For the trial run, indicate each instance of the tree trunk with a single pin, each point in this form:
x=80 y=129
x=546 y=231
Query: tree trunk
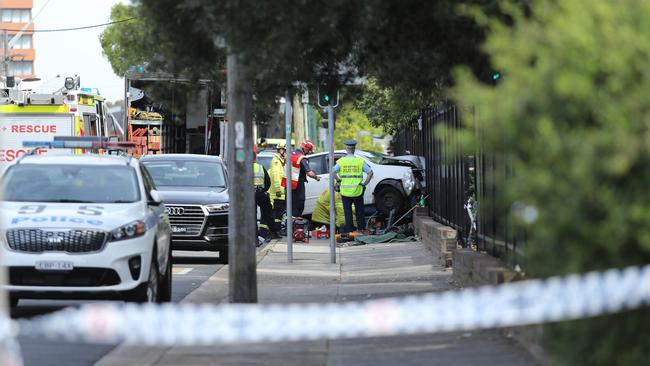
x=298 y=120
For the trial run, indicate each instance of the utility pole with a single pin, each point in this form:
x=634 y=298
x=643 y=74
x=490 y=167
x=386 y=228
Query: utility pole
x=9 y=347
x=328 y=97
x=287 y=173
x=5 y=53
x=242 y=219
x=9 y=351
x=330 y=127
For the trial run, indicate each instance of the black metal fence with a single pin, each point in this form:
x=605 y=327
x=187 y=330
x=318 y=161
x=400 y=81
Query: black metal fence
x=457 y=175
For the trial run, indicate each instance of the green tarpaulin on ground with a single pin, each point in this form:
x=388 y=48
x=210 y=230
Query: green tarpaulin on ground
x=390 y=237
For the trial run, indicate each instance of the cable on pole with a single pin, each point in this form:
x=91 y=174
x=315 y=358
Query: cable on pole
x=70 y=29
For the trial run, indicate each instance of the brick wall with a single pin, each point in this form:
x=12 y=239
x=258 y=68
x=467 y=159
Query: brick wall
x=472 y=268
x=439 y=239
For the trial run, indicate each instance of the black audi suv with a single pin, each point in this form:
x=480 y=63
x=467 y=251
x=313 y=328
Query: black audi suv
x=195 y=193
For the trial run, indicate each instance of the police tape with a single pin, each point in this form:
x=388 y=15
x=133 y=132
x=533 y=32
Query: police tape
x=512 y=304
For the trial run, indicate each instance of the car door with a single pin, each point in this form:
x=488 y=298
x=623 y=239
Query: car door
x=314 y=189
x=163 y=230
x=369 y=194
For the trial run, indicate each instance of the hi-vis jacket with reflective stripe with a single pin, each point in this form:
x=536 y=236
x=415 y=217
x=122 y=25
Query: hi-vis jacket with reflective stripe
x=351 y=175
x=258 y=175
x=321 y=213
x=276 y=171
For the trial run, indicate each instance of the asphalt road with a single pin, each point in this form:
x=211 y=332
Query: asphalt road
x=191 y=269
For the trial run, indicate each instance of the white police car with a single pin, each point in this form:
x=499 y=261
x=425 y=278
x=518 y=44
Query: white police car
x=84 y=227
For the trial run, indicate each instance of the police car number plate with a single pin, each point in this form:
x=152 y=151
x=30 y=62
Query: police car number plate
x=54 y=266
x=179 y=229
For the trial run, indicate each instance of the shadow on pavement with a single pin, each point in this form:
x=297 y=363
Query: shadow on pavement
x=194 y=260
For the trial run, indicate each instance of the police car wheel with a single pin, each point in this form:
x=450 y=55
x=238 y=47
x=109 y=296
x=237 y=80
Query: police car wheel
x=165 y=292
x=148 y=292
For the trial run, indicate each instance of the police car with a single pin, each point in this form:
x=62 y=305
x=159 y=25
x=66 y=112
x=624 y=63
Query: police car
x=82 y=226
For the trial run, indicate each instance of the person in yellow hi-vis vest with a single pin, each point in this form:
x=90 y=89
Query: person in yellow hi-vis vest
x=262 y=183
x=348 y=171
x=276 y=171
x=321 y=214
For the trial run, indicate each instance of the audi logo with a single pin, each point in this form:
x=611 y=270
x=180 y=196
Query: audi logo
x=175 y=211
x=54 y=240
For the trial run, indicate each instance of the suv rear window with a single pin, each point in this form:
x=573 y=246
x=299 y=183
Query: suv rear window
x=186 y=173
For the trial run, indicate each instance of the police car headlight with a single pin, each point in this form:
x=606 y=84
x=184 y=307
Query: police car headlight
x=408 y=182
x=128 y=231
x=217 y=207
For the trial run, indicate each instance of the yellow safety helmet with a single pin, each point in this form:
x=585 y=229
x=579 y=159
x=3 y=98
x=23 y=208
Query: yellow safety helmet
x=281 y=145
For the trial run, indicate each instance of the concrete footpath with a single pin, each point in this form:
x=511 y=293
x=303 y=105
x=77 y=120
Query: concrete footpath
x=361 y=272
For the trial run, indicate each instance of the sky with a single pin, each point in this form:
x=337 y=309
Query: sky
x=75 y=52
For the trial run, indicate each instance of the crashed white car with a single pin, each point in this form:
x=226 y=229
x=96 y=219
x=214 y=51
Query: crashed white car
x=84 y=227
x=394 y=185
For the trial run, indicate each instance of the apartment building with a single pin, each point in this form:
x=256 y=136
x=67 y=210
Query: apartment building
x=14 y=15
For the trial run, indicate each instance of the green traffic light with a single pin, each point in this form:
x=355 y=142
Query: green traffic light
x=326 y=98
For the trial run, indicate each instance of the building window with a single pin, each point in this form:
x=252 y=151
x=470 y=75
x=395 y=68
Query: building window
x=15 y=15
x=24 y=42
x=21 y=67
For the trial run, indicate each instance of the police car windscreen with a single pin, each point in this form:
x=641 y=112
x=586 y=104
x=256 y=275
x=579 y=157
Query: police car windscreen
x=186 y=173
x=71 y=183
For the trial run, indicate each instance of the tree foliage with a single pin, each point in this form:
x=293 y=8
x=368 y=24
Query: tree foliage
x=408 y=46
x=127 y=43
x=351 y=123
x=572 y=117
x=138 y=42
x=392 y=108
x=407 y=42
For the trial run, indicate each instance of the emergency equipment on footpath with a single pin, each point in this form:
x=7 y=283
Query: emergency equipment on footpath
x=301 y=230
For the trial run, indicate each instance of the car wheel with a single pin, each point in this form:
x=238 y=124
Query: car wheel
x=148 y=292
x=165 y=293
x=388 y=198
x=223 y=256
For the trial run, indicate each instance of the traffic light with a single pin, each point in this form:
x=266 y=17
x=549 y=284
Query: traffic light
x=327 y=95
x=324 y=118
x=496 y=77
